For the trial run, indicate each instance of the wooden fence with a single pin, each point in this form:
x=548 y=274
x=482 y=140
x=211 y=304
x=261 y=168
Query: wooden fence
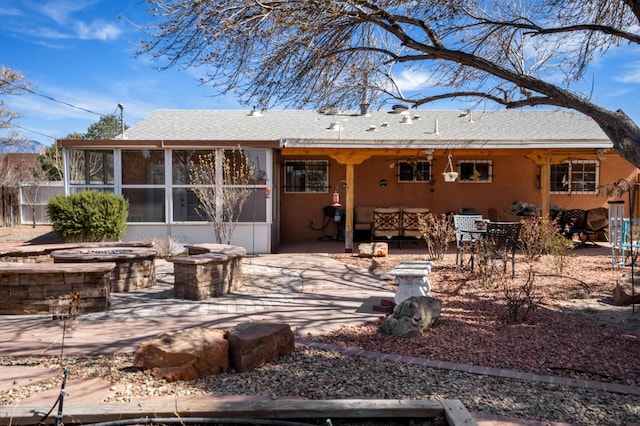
x=9 y=206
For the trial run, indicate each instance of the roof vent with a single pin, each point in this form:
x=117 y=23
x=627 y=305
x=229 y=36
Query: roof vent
x=372 y=128
x=385 y=124
x=364 y=108
x=255 y=113
x=398 y=108
x=330 y=110
x=334 y=126
x=406 y=119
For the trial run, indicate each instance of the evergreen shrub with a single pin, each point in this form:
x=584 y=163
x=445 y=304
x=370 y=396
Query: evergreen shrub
x=88 y=216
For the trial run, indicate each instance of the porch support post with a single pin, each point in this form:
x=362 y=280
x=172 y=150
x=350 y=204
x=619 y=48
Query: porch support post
x=544 y=160
x=348 y=226
x=350 y=159
x=545 y=187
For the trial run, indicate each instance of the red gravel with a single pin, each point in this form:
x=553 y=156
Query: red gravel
x=575 y=332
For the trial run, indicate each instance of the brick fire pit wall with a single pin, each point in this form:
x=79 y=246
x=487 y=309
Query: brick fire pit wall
x=46 y=288
x=135 y=267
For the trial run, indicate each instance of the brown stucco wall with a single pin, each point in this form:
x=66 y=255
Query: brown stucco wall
x=515 y=178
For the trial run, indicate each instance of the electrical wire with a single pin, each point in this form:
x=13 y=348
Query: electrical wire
x=51 y=98
x=32 y=131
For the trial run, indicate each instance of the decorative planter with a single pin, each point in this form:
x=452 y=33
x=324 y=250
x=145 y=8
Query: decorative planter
x=450 y=176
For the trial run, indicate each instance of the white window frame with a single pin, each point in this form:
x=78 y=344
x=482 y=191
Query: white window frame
x=570 y=178
x=310 y=187
x=476 y=177
x=415 y=176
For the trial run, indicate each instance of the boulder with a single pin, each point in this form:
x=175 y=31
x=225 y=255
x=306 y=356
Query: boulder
x=254 y=344
x=413 y=317
x=184 y=355
x=373 y=249
x=624 y=292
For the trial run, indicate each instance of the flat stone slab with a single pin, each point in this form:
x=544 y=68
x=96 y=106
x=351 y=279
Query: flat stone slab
x=227 y=249
x=41 y=249
x=103 y=254
x=201 y=259
x=412 y=268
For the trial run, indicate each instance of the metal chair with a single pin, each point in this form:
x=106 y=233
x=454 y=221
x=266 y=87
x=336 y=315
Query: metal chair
x=464 y=239
x=630 y=239
x=386 y=223
x=411 y=222
x=504 y=237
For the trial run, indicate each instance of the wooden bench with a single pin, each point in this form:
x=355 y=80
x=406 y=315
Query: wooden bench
x=46 y=288
x=208 y=270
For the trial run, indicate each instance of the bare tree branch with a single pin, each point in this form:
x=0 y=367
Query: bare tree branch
x=303 y=53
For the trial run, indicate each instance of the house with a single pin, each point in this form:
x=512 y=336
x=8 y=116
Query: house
x=365 y=158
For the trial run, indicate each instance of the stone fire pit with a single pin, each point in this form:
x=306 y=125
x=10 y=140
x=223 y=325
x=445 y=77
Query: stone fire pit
x=135 y=266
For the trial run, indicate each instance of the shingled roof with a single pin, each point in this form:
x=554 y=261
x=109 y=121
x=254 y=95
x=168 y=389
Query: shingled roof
x=455 y=129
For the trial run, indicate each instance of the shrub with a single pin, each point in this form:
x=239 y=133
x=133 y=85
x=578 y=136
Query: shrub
x=88 y=216
x=558 y=248
x=521 y=299
x=437 y=231
x=536 y=235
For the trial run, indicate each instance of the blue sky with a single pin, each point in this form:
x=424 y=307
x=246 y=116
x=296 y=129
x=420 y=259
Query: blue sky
x=81 y=53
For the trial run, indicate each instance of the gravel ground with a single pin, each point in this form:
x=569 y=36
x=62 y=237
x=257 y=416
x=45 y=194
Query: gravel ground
x=316 y=374
x=574 y=332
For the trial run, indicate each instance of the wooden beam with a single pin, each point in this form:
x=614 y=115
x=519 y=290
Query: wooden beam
x=453 y=410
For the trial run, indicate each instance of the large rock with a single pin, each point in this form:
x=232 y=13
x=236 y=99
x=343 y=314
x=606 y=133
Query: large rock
x=624 y=292
x=184 y=355
x=254 y=344
x=413 y=317
x=373 y=249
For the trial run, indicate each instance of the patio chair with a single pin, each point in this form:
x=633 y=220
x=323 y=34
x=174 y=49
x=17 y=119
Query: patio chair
x=386 y=223
x=464 y=239
x=504 y=237
x=411 y=222
x=363 y=220
x=630 y=243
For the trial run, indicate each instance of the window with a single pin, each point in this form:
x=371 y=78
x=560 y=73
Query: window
x=414 y=171
x=187 y=207
x=575 y=177
x=91 y=167
x=148 y=169
x=480 y=171
x=306 y=176
x=143 y=184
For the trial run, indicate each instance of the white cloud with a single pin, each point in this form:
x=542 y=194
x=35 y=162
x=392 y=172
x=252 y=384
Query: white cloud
x=9 y=10
x=62 y=20
x=409 y=80
x=61 y=10
x=632 y=75
x=97 y=30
